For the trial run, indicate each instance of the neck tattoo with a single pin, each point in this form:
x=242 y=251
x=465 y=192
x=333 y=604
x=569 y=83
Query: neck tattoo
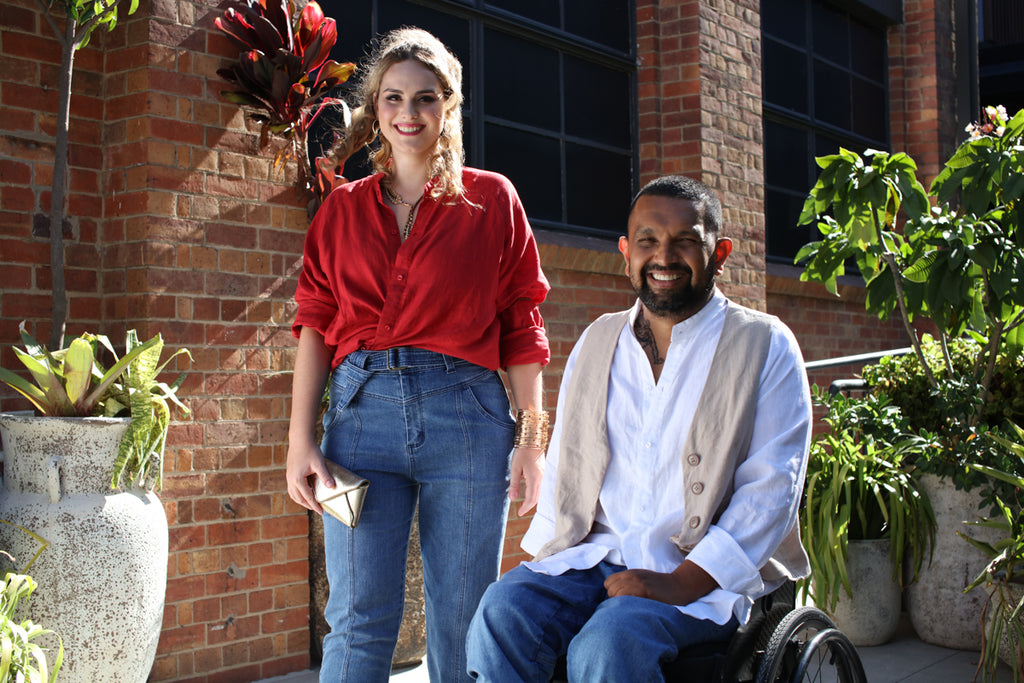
x=397 y=199
x=645 y=335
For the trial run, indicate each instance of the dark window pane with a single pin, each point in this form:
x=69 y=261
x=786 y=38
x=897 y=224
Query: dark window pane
x=607 y=23
x=830 y=34
x=786 y=156
x=785 y=19
x=544 y=11
x=451 y=30
x=825 y=145
x=521 y=81
x=785 y=77
x=354 y=20
x=532 y=163
x=783 y=236
x=869 y=113
x=831 y=95
x=595 y=107
x=870 y=57
x=598 y=188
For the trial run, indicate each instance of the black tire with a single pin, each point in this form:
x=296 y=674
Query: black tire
x=787 y=642
x=829 y=656
x=747 y=647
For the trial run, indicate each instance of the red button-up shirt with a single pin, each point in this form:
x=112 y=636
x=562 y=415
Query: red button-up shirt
x=466 y=282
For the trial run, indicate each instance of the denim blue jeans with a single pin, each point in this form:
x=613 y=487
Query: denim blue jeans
x=430 y=430
x=526 y=621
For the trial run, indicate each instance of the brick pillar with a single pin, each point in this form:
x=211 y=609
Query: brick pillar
x=202 y=242
x=700 y=115
x=922 y=82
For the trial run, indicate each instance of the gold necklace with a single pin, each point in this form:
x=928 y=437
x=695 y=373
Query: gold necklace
x=396 y=198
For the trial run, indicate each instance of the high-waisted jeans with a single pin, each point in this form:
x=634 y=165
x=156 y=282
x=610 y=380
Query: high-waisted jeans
x=423 y=428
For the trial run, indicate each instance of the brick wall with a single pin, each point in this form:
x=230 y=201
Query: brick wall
x=180 y=226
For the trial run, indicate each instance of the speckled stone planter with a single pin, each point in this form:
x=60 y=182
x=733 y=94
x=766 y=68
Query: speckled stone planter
x=941 y=613
x=872 y=615
x=103 y=576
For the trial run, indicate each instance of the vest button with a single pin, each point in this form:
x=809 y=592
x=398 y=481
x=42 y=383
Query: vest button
x=697 y=488
x=693 y=459
x=694 y=522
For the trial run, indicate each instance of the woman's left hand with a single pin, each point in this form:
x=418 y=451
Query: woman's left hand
x=528 y=464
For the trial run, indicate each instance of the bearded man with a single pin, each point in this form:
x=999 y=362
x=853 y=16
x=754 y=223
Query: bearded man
x=674 y=472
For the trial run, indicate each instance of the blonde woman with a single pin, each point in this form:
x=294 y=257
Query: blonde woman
x=419 y=282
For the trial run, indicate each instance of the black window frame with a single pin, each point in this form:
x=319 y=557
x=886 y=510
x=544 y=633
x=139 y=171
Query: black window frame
x=820 y=137
x=482 y=17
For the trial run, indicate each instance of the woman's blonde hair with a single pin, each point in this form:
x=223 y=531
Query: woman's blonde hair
x=400 y=45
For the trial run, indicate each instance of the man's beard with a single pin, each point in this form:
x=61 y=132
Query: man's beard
x=682 y=300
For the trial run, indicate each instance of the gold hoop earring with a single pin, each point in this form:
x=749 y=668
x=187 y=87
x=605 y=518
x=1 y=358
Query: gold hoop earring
x=375 y=128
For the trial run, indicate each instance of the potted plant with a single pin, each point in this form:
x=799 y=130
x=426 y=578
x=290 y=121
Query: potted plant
x=951 y=257
x=1003 y=576
x=82 y=473
x=21 y=657
x=864 y=513
x=283 y=78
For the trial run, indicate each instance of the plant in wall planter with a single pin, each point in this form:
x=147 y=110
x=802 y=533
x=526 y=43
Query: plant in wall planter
x=283 y=78
x=952 y=255
x=1003 y=576
x=83 y=473
x=864 y=514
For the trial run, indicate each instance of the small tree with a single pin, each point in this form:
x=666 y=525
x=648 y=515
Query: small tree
x=81 y=18
x=959 y=262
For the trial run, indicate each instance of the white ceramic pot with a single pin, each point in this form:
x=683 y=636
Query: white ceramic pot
x=940 y=612
x=872 y=615
x=103 y=576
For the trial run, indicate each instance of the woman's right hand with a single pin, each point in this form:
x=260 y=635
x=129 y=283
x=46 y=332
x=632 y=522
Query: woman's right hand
x=305 y=461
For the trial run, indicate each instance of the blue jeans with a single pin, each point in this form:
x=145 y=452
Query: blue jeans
x=426 y=429
x=526 y=621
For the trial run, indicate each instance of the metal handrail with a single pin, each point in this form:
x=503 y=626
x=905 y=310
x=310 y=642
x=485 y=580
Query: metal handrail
x=859 y=358
x=855 y=384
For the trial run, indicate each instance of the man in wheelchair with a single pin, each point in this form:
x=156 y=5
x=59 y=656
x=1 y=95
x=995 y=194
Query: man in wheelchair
x=674 y=474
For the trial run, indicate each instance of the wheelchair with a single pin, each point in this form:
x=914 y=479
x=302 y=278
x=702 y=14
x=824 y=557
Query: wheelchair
x=780 y=643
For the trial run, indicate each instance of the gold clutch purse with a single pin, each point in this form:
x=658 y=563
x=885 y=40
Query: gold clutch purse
x=345 y=500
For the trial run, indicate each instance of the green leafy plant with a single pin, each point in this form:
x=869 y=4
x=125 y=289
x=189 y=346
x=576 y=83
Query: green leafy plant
x=283 y=75
x=939 y=414
x=73 y=382
x=957 y=264
x=1003 y=576
x=860 y=486
x=22 y=658
x=81 y=18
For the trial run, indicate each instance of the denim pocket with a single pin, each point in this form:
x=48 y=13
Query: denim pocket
x=489 y=397
x=345 y=384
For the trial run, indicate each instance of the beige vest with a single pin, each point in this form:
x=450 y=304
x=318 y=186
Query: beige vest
x=718 y=440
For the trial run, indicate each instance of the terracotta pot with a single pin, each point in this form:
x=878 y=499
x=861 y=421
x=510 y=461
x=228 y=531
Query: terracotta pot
x=103 y=576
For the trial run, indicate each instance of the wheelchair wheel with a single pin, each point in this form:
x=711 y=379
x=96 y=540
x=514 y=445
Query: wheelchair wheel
x=792 y=639
x=743 y=657
x=830 y=656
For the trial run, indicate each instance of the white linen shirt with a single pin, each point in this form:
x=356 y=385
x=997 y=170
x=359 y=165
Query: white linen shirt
x=641 y=503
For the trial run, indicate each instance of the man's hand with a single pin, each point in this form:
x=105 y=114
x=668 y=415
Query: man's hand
x=681 y=587
x=528 y=464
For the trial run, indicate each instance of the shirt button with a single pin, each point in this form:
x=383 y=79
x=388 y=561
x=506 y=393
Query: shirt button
x=694 y=522
x=647 y=445
x=401 y=277
x=693 y=459
x=387 y=328
x=697 y=488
